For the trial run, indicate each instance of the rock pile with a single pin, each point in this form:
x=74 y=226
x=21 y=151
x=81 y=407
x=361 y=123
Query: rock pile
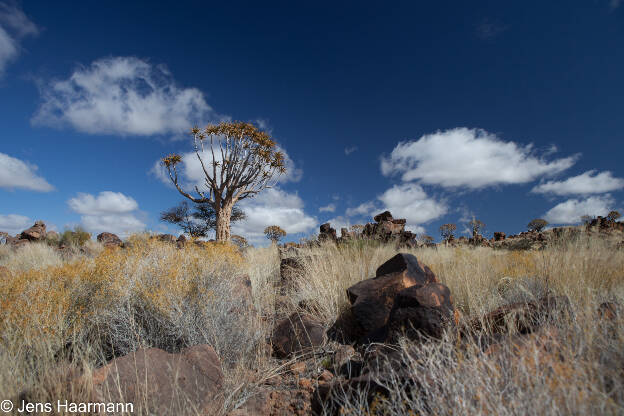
x=385 y=228
x=404 y=297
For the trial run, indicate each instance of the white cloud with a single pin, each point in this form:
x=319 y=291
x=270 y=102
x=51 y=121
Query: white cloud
x=571 y=211
x=106 y=202
x=410 y=201
x=122 y=96
x=108 y=211
x=273 y=207
x=328 y=208
x=614 y=4
x=468 y=157
x=587 y=183
x=18 y=174
x=14 y=224
x=349 y=150
x=339 y=222
x=365 y=209
x=14 y=25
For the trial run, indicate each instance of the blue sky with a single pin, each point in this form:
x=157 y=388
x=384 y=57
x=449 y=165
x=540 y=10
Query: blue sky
x=438 y=111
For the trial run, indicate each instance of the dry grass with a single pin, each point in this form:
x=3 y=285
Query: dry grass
x=62 y=316
x=576 y=366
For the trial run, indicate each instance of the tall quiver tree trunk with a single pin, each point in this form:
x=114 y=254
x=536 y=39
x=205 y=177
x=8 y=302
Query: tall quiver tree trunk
x=224 y=215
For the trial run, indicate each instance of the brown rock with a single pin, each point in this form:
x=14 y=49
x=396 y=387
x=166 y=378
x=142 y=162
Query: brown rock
x=297 y=334
x=159 y=380
x=109 y=240
x=410 y=266
x=524 y=317
x=297 y=368
x=167 y=238
x=384 y=216
x=35 y=233
x=421 y=310
x=499 y=236
x=306 y=384
x=343 y=354
x=373 y=299
x=326 y=376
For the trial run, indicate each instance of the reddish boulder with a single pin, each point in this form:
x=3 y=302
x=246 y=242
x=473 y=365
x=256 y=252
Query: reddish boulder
x=384 y=216
x=523 y=317
x=157 y=380
x=35 y=233
x=109 y=240
x=499 y=236
x=373 y=299
x=408 y=265
x=421 y=310
x=296 y=334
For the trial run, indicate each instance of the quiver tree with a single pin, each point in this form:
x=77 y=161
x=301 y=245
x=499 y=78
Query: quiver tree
x=613 y=216
x=447 y=231
x=477 y=226
x=199 y=220
x=537 y=224
x=274 y=233
x=238 y=161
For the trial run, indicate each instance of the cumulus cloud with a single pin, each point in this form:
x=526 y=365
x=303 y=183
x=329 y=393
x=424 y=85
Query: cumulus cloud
x=364 y=209
x=340 y=222
x=122 y=96
x=273 y=207
x=349 y=150
x=571 y=211
x=108 y=211
x=18 y=174
x=328 y=208
x=14 y=224
x=14 y=25
x=471 y=158
x=586 y=183
x=408 y=200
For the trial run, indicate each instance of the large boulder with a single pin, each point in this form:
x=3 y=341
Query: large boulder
x=372 y=300
x=167 y=238
x=297 y=334
x=384 y=216
x=164 y=383
x=109 y=240
x=421 y=310
x=327 y=233
x=523 y=317
x=35 y=233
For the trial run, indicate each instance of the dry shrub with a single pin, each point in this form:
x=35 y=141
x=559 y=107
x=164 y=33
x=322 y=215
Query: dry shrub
x=149 y=295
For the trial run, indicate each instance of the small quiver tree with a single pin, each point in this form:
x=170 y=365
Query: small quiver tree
x=537 y=224
x=477 y=226
x=274 y=233
x=613 y=216
x=238 y=161
x=447 y=232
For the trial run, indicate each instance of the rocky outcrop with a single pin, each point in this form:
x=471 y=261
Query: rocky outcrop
x=375 y=314
x=299 y=333
x=164 y=382
x=35 y=233
x=327 y=233
x=387 y=229
x=109 y=240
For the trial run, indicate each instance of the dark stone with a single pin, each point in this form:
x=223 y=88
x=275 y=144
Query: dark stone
x=384 y=216
x=296 y=334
